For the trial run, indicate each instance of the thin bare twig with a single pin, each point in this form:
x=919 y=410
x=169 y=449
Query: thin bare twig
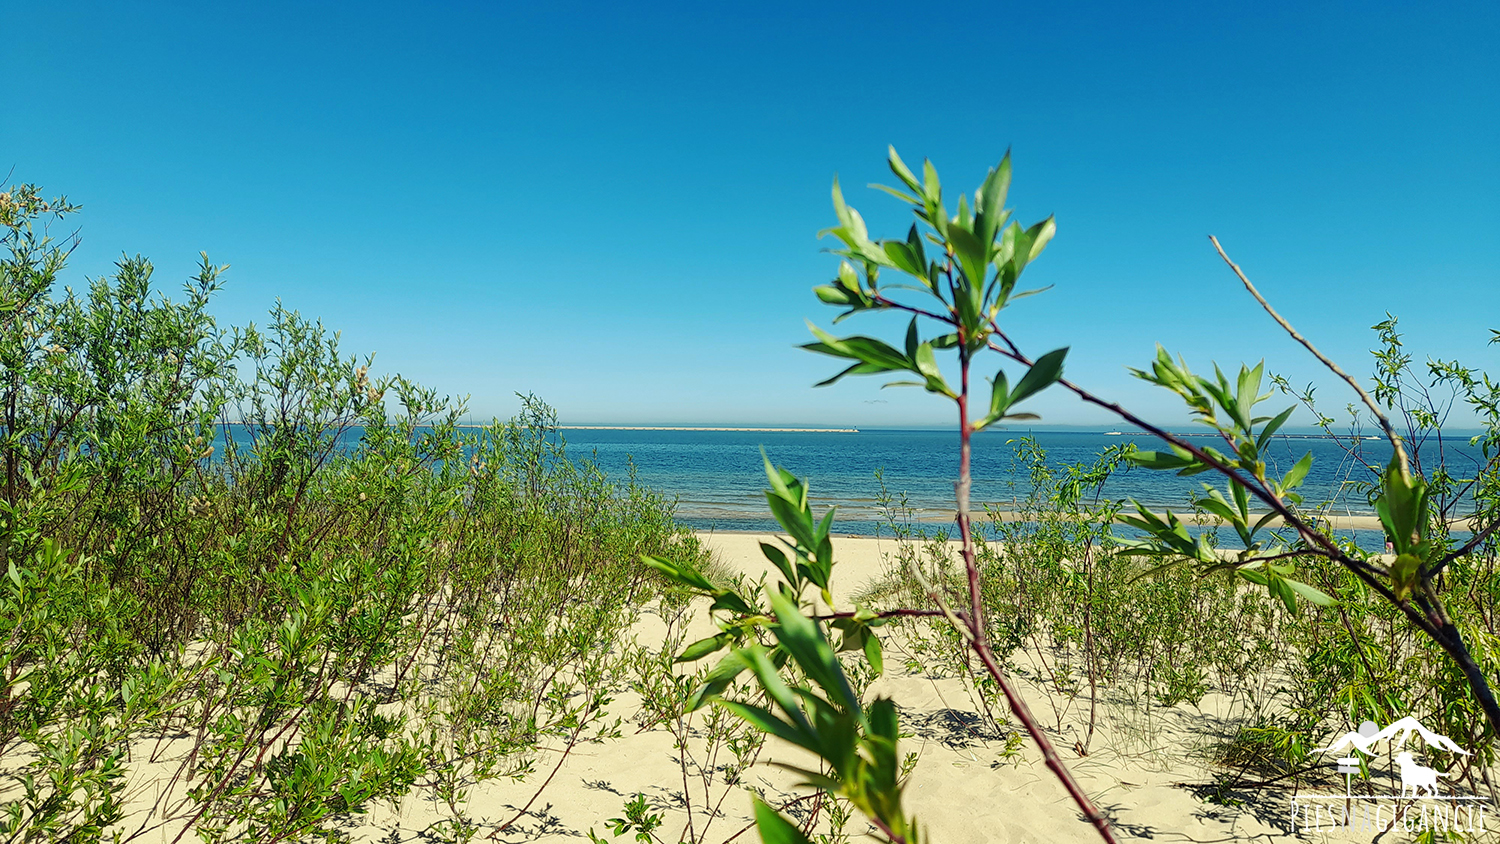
x=572 y=742
x=960 y=624
x=901 y=613
x=1467 y=547
x=1385 y=423
x=902 y=306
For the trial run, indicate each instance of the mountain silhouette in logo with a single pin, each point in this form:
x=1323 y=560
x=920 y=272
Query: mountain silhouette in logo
x=1401 y=731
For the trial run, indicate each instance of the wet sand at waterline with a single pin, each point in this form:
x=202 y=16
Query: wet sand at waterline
x=965 y=788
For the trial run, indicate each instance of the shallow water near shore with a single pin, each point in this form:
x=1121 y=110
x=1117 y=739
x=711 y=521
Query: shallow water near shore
x=718 y=478
x=716 y=475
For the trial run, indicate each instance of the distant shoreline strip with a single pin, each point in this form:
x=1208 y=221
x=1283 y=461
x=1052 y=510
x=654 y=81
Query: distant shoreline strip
x=691 y=428
x=1343 y=521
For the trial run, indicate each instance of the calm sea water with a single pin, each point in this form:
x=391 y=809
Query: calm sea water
x=718 y=482
x=718 y=478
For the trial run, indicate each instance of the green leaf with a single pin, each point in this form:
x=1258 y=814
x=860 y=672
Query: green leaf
x=1405 y=571
x=919 y=253
x=1311 y=594
x=805 y=642
x=1043 y=374
x=1280 y=590
x=1403 y=507
x=728 y=599
x=971 y=255
x=866 y=349
x=680 y=572
x=1040 y=235
x=833 y=295
x=922 y=384
x=853 y=228
x=778 y=559
x=902 y=172
x=1297 y=473
x=1272 y=427
x=999 y=401
x=768 y=673
x=989 y=200
x=1247 y=393
x=847 y=276
x=1024 y=293
x=766 y=721
x=1256 y=577
x=781 y=481
x=1158 y=460
x=1220 y=508
x=899 y=194
x=927 y=367
x=903 y=258
x=884 y=719
x=873 y=654
x=718 y=679
x=856 y=369
x=703 y=647
x=797 y=522
x=775 y=829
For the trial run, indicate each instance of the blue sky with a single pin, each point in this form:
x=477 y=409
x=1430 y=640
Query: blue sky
x=615 y=206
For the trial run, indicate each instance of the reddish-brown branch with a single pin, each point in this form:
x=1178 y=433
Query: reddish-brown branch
x=901 y=306
x=979 y=640
x=1466 y=548
x=901 y=613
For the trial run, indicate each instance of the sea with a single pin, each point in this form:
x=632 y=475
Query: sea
x=717 y=480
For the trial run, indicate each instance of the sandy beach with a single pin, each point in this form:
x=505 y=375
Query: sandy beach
x=973 y=781
x=969 y=784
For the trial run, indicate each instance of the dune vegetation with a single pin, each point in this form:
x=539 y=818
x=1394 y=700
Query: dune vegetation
x=231 y=570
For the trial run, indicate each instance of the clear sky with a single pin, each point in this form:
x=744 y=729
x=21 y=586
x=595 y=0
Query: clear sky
x=615 y=206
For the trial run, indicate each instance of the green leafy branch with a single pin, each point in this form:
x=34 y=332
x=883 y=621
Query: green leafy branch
x=856 y=744
x=970 y=296
x=970 y=277
x=1229 y=409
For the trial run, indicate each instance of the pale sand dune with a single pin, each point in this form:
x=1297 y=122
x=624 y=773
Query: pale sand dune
x=964 y=788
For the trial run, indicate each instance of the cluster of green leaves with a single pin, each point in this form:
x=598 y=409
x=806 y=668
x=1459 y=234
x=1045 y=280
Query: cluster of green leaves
x=70 y=699
x=1367 y=658
x=818 y=710
x=1395 y=622
x=972 y=275
x=1228 y=408
x=638 y=819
